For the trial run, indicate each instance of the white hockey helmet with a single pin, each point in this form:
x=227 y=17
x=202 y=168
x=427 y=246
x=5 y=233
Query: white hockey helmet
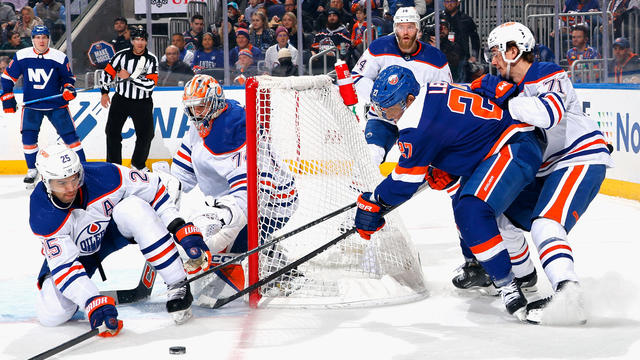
x=406 y=15
x=511 y=31
x=203 y=101
x=57 y=162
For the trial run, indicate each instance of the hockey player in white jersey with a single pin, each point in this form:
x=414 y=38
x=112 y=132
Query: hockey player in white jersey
x=213 y=156
x=83 y=212
x=402 y=48
x=575 y=163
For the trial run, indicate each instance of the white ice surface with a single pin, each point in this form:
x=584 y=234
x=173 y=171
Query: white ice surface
x=448 y=324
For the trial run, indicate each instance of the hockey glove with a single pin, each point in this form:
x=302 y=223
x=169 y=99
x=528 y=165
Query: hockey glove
x=439 y=179
x=496 y=89
x=368 y=216
x=69 y=92
x=9 y=103
x=190 y=238
x=102 y=309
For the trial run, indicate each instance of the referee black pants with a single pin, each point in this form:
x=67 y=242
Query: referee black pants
x=141 y=112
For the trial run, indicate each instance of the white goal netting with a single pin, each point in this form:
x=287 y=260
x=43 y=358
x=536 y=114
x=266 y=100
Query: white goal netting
x=311 y=159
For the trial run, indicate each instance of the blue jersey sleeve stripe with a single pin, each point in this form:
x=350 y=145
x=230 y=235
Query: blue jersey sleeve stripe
x=61 y=267
x=241 y=188
x=162 y=201
x=186 y=149
x=549 y=112
x=187 y=168
x=173 y=258
x=238 y=177
x=155 y=245
x=71 y=279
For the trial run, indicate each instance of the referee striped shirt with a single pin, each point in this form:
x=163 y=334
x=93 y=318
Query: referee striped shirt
x=139 y=88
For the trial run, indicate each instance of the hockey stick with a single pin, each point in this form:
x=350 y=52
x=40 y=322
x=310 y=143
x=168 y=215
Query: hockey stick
x=273 y=242
x=140 y=292
x=136 y=72
x=259 y=248
x=64 y=346
x=293 y=265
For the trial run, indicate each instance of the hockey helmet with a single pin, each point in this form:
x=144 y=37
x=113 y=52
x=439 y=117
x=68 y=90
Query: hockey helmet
x=40 y=30
x=139 y=32
x=391 y=87
x=407 y=14
x=58 y=162
x=511 y=31
x=203 y=101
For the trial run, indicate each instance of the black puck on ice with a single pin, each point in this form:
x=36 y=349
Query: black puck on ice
x=177 y=350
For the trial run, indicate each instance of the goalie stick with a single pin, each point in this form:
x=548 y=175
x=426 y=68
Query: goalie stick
x=140 y=292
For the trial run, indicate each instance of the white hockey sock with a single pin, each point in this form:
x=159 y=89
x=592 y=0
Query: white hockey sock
x=516 y=244
x=556 y=255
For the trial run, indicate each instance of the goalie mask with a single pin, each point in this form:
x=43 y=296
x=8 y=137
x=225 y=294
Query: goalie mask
x=203 y=101
x=392 y=86
x=61 y=172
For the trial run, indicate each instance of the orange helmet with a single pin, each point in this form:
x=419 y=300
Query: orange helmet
x=203 y=101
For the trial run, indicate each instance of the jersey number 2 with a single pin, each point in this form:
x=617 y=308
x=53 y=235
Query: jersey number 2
x=462 y=101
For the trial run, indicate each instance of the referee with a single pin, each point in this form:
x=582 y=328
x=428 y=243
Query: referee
x=136 y=70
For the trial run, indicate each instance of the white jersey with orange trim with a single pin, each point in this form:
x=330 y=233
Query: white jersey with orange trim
x=427 y=63
x=217 y=163
x=67 y=234
x=548 y=100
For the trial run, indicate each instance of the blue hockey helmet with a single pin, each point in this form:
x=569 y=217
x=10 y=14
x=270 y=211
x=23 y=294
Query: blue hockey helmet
x=40 y=30
x=392 y=86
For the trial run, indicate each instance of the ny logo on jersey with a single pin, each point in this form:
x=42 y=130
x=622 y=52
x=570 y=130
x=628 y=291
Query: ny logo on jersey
x=36 y=76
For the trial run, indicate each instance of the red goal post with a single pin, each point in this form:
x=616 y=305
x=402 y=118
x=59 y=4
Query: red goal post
x=306 y=157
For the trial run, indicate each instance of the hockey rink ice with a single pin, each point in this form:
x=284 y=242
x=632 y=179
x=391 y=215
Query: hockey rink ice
x=448 y=324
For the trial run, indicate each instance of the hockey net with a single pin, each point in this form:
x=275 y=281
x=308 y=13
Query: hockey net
x=306 y=157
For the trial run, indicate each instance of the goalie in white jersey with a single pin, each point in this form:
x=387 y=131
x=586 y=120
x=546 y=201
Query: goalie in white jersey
x=573 y=168
x=402 y=48
x=83 y=212
x=213 y=156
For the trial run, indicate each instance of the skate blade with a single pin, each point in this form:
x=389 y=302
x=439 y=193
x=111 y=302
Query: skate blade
x=182 y=316
x=29 y=186
x=521 y=314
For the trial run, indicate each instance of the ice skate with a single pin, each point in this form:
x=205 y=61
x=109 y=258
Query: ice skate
x=566 y=307
x=472 y=276
x=179 y=301
x=31 y=178
x=528 y=283
x=514 y=300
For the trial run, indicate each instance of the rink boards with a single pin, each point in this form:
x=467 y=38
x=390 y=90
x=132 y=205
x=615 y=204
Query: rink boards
x=616 y=108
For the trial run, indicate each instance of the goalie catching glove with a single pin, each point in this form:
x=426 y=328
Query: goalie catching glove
x=231 y=219
x=102 y=310
x=368 y=216
x=190 y=238
x=495 y=88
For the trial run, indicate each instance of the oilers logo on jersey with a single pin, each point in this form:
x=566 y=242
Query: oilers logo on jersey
x=90 y=237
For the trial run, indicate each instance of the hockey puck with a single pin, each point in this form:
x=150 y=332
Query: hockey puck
x=177 y=350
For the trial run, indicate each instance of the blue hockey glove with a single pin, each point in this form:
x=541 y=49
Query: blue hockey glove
x=190 y=238
x=368 y=216
x=495 y=88
x=69 y=92
x=9 y=104
x=102 y=310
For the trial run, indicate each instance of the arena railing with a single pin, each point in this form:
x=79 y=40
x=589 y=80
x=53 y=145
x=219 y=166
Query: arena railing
x=322 y=54
x=588 y=71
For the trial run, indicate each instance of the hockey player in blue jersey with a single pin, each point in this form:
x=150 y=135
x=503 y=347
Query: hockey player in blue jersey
x=213 y=157
x=45 y=72
x=464 y=135
x=573 y=168
x=83 y=212
x=402 y=48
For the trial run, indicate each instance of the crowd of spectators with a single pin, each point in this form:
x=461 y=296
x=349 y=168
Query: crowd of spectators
x=17 y=18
